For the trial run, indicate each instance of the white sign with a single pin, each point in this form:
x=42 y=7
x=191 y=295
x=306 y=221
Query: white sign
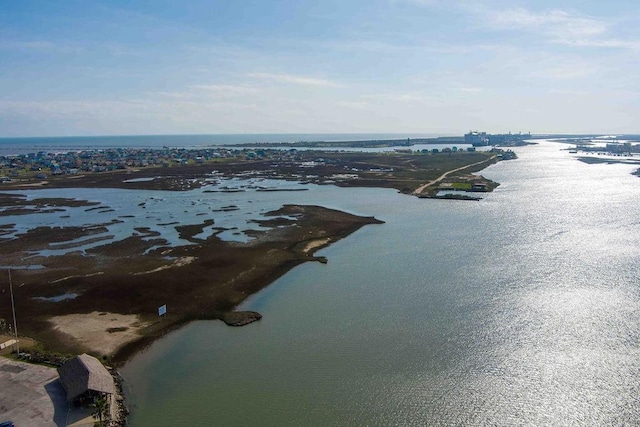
x=7 y=344
x=162 y=310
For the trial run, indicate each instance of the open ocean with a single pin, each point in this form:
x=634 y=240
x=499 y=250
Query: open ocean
x=11 y=146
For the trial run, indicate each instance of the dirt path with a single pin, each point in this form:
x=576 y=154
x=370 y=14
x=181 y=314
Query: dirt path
x=420 y=189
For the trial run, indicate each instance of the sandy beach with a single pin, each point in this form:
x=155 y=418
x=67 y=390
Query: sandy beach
x=100 y=332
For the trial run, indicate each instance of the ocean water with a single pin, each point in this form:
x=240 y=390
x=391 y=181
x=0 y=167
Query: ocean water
x=12 y=146
x=520 y=309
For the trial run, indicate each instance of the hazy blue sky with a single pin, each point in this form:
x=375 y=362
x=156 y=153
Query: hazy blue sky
x=432 y=66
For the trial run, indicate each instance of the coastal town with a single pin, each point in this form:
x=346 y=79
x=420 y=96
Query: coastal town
x=43 y=165
x=103 y=160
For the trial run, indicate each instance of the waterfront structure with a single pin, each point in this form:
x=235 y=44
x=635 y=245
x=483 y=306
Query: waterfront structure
x=84 y=376
x=477 y=139
x=618 y=147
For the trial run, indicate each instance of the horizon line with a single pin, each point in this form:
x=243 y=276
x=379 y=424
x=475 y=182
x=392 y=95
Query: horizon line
x=426 y=134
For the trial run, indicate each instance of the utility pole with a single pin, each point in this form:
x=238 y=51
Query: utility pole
x=13 y=308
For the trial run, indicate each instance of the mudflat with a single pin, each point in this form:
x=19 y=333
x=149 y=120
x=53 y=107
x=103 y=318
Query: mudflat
x=118 y=287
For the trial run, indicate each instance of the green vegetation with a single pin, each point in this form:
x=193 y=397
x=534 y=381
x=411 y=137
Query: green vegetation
x=101 y=410
x=465 y=186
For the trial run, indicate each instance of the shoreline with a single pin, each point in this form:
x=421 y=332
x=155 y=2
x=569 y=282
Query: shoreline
x=98 y=278
x=113 y=309
x=107 y=288
x=298 y=248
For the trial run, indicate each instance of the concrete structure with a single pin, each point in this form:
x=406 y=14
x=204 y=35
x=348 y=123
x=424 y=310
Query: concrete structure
x=476 y=138
x=7 y=344
x=31 y=395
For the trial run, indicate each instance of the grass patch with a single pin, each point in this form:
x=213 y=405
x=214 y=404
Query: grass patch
x=465 y=186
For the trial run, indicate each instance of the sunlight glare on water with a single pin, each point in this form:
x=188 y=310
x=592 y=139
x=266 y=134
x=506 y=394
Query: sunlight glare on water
x=520 y=309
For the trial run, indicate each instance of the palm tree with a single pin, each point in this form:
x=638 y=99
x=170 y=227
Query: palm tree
x=101 y=406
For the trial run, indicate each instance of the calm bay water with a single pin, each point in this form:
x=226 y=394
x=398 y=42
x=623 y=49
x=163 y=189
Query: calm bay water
x=520 y=309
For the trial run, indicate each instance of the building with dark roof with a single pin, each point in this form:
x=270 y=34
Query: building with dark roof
x=84 y=376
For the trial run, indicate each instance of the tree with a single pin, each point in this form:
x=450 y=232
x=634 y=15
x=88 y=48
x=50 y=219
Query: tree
x=101 y=411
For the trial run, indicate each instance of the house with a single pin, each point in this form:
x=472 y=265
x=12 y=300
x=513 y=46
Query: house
x=479 y=186
x=84 y=376
x=476 y=138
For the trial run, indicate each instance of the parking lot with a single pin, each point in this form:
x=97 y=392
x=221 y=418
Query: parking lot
x=31 y=395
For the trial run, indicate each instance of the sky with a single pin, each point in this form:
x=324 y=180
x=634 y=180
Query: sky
x=332 y=66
